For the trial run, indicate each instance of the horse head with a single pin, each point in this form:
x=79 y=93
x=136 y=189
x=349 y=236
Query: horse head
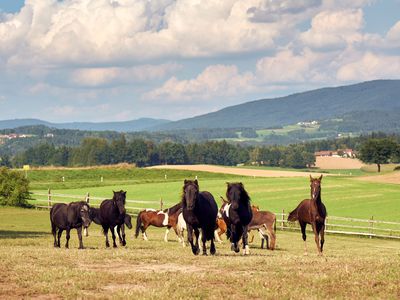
x=315 y=185
x=119 y=201
x=190 y=193
x=235 y=193
x=84 y=214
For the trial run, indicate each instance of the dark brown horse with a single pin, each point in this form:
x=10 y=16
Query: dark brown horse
x=69 y=216
x=159 y=218
x=199 y=210
x=312 y=211
x=112 y=213
x=237 y=216
x=265 y=223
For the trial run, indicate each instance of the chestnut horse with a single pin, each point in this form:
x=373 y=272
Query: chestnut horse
x=312 y=211
x=264 y=220
x=159 y=218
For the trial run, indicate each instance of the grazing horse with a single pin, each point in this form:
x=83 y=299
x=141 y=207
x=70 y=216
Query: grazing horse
x=264 y=220
x=159 y=218
x=112 y=213
x=200 y=213
x=237 y=215
x=69 y=216
x=95 y=216
x=312 y=211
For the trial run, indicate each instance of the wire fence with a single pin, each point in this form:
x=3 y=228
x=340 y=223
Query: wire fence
x=333 y=225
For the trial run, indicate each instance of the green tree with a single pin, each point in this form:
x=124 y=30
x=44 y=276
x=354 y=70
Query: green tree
x=377 y=151
x=14 y=188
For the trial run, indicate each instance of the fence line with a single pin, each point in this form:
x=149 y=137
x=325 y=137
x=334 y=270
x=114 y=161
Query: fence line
x=373 y=228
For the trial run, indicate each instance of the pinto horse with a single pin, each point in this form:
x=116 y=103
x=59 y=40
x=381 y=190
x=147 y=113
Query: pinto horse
x=312 y=211
x=199 y=211
x=112 y=213
x=159 y=218
x=237 y=215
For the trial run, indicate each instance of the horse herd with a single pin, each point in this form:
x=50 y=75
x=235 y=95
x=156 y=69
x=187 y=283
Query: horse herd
x=198 y=214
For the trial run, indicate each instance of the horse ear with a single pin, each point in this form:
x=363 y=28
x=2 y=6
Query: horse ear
x=320 y=177
x=124 y=193
x=185 y=181
x=311 y=179
x=241 y=184
x=196 y=182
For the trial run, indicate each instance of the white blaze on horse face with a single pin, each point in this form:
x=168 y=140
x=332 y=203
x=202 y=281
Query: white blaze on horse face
x=226 y=210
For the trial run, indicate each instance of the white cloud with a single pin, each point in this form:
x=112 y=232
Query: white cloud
x=118 y=75
x=370 y=66
x=332 y=30
x=214 y=81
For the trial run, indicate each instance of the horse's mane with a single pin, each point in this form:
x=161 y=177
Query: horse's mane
x=173 y=209
x=244 y=196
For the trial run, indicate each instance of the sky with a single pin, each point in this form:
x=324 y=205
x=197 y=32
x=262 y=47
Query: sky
x=118 y=60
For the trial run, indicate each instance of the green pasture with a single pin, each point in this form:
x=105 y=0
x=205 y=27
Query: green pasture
x=351 y=268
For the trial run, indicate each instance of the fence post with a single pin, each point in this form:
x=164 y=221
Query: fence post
x=87 y=198
x=326 y=223
x=49 y=198
x=283 y=219
x=161 y=204
x=371 y=227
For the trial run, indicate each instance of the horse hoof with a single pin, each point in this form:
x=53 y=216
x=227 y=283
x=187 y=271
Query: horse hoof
x=205 y=254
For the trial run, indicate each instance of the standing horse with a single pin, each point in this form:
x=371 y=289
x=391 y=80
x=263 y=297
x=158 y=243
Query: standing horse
x=200 y=213
x=159 y=218
x=95 y=216
x=112 y=213
x=312 y=211
x=66 y=217
x=237 y=216
x=264 y=220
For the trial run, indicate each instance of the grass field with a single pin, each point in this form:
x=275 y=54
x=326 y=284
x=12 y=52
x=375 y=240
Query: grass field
x=352 y=268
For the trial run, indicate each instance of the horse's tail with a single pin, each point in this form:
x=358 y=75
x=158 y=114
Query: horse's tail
x=138 y=224
x=293 y=215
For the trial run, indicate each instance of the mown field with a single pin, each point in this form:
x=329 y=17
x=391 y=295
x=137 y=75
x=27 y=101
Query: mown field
x=352 y=267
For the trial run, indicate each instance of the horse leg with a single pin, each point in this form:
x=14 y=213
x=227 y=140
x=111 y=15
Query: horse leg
x=234 y=239
x=143 y=228
x=166 y=234
x=105 y=230
x=123 y=235
x=321 y=231
x=113 y=237
x=303 y=232
x=67 y=236
x=246 y=249
x=59 y=237
x=195 y=249
x=203 y=241
x=79 y=229
x=217 y=236
x=316 y=237
x=54 y=232
x=197 y=234
x=272 y=237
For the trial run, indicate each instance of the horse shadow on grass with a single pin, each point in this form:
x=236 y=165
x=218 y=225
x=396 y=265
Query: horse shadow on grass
x=11 y=234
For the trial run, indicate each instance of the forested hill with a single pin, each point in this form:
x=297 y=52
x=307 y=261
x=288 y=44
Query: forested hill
x=321 y=104
x=126 y=126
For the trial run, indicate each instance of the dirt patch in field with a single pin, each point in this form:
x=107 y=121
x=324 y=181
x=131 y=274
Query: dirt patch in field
x=386 y=178
x=338 y=163
x=234 y=171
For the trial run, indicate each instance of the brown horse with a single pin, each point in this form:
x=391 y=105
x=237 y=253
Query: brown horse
x=159 y=218
x=264 y=220
x=312 y=211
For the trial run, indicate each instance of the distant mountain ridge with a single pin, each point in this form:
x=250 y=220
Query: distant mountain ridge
x=125 y=126
x=320 y=104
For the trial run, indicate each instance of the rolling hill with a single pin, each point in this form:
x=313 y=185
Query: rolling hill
x=320 y=104
x=127 y=126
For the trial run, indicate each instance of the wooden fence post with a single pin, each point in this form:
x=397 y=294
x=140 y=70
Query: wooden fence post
x=161 y=204
x=87 y=198
x=49 y=198
x=283 y=219
x=371 y=226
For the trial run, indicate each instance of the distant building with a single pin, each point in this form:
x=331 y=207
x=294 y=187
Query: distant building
x=350 y=153
x=49 y=135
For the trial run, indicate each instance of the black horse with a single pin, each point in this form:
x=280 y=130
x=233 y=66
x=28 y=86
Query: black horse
x=95 y=217
x=112 y=213
x=69 y=216
x=237 y=215
x=200 y=211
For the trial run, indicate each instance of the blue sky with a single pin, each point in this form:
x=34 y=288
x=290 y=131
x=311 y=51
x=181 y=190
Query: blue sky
x=114 y=60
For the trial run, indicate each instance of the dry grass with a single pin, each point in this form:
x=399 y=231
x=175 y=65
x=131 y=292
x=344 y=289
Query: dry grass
x=352 y=268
